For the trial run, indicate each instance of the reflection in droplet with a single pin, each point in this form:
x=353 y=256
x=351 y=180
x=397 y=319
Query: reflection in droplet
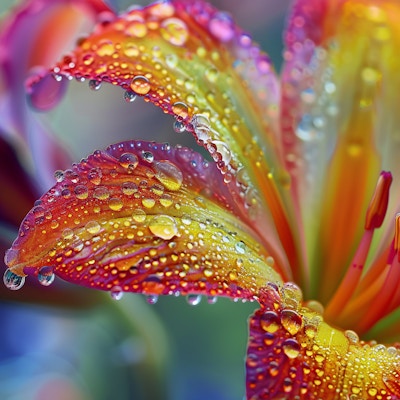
x=13 y=281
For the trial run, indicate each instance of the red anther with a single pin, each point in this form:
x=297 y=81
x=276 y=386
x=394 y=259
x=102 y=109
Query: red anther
x=377 y=207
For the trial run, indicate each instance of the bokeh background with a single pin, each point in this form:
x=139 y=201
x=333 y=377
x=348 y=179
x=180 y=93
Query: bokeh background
x=68 y=343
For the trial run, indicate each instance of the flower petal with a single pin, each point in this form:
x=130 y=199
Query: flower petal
x=338 y=102
x=193 y=62
x=44 y=30
x=142 y=217
x=294 y=354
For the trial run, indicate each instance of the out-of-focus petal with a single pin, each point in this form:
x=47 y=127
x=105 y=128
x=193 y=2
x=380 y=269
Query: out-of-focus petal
x=294 y=354
x=142 y=217
x=32 y=37
x=195 y=63
x=340 y=125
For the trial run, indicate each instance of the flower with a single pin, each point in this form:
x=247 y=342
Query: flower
x=289 y=195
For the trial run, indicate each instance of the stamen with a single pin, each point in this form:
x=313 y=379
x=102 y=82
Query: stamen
x=383 y=302
x=374 y=219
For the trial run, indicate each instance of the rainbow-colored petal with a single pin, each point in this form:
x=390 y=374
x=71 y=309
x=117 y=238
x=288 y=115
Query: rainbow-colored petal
x=294 y=354
x=141 y=217
x=195 y=63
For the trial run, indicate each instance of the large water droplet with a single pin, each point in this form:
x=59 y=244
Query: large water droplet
x=193 y=299
x=46 y=93
x=152 y=298
x=46 y=276
x=140 y=85
x=129 y=96
x=94 y=85
x=13 y=281
x=269 y=322
x=291 y=321
x=163 y=226
x=222 y=26
x=174 y=31
x=116 y=293
x=179 y=127
x=180 y=109
x=168 y=174
x=291 y=348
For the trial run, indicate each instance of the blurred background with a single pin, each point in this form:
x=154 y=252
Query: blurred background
x=66 y=343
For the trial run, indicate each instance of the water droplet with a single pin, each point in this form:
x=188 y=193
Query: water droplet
x=148 y=156
x=128 y=188
x=116 y=293
x=222 y=26
x=306 y=129
x=46 y=276
x=291 y=321
x=180 y=109
x=223 y=151
x=269 y=322
x=351 y=336
x=201 y=126
x=168 y=174
x=94 y=85
x=193 y=299
x=291 y=348
x=129 y=96
x=212 y=299
x=163 y=226
x=59 y=176
x=140 y=85
x=81 y=192
x=115 y=204
x=240 y=247
x=46 y=93
x=179 y=127
x=93 y=227
x=94 y=176
x=13 y=281
x=152 y=298
x=174 y=31
x=139 y=215
x=291 y=295
x=101 y=193
x=128 y=160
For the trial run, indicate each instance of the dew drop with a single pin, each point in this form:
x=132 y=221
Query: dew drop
x=94 y=176
x=163 y=226
x=101 y=193
x=269 y=322
x=351 y=336
x=201 y=126
x=180 y=109
x=148 y=156
x=240 y=247
x=291 y=321
x=46 y=93
x=223 y=151
x=174 y=31
x=139 y=215
x=59 y=176
x=140 y=85
x=81 y=192
x=46 y=276
x=212 y=299
x=179 y=127
x=93 y=227
x=152 y=298
x=222 y=26
x=13 y=281
x=291 y=348
x=129 y=96
x=115 y=204
x=128 y=188
x=94 y=85
x=193 y=299
x=168 y=174
x=116 y=293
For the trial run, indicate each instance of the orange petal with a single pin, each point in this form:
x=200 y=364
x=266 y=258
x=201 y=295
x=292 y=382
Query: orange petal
x=339 y=111
x=195 y=63
x=294 y=354
x=141 y=217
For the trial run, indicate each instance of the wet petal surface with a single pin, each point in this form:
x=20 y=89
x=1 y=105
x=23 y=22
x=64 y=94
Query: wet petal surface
x=195 y=63
x=294 y=354
x=141 y=217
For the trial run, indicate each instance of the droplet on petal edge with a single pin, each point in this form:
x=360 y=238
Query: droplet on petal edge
x=13 y=281
x=136 y=218
x=295 y=354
